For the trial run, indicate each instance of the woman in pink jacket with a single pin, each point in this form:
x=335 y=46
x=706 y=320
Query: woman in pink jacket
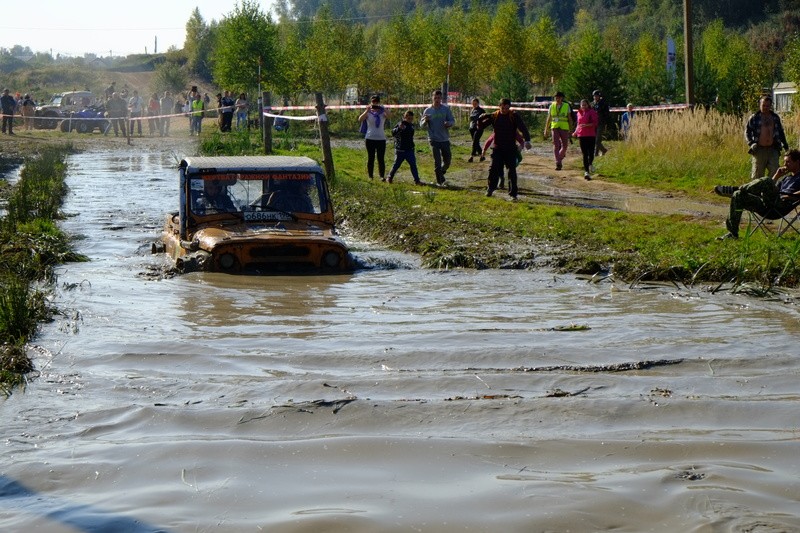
x=586 y=132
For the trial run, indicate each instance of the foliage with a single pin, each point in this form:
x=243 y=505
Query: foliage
x=247 y=38
x=333 y=51
x=170 y=76
x=739 y=72
x=199 y=45
x=591 y=66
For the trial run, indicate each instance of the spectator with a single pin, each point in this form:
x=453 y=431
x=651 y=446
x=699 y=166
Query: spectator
x=560 y=123
x=153 y=112
x=403 y=134
x=197 y=107
x=506 y=123
x=167 y=104
x=603 y=120
x=228 y=104
x=475 y=131
x=586 y=131
x=438 y=119
x=490 y=144
x=764 y=195
x=117 y=112
x=110 y=90
x=136 y=109
x=375 y=117
x=241 y=111
x=28 y=107
x=7 y=105
x=625 y=122
x=765 y=137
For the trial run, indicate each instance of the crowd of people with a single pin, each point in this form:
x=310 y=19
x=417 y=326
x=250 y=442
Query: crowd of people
x=127 y=111
x=509 y=137
x=772 y=196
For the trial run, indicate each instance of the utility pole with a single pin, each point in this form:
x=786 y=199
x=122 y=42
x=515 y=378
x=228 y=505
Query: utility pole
x=689 y=51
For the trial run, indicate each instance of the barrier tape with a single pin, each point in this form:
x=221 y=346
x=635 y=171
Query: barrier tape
x=268 y=112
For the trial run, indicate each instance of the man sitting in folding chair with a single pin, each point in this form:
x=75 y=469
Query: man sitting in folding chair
x=771 y=198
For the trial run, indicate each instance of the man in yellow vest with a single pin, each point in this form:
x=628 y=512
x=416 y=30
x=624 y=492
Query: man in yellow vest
x=560 y=122
x=198 y=107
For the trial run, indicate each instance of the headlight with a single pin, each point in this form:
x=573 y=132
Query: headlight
x=331 y=259
x=226 y=261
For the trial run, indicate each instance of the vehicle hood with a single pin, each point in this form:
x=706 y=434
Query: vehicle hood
x=211 y=236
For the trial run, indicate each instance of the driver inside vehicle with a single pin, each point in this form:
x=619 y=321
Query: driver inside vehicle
x=215 y=199
x=290 y=196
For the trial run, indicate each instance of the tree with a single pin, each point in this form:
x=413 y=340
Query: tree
x=591 y=66
x=334 y=52
x=246 y=38
x=647 y=81
x=545 y=53
x=170 y=76
x=198 y=45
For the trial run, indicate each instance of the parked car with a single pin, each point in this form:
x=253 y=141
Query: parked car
x=60 y=106
x=253 y=214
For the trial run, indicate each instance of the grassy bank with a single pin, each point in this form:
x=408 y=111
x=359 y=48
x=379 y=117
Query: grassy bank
x=32 y=245
x=684 y=154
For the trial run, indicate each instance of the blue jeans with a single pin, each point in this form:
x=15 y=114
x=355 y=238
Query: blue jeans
x=405 y=155
x=241 y=119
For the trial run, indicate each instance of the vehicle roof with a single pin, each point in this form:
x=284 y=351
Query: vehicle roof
x=251 y=164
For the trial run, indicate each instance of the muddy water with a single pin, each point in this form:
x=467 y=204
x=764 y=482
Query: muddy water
x=392 y=399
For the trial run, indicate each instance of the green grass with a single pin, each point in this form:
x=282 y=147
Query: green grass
x=683 y=154
x=31 y=245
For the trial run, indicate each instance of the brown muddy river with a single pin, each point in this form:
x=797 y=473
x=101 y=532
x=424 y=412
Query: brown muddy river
x=394 y=399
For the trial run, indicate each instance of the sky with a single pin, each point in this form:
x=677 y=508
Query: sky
x=119 y=28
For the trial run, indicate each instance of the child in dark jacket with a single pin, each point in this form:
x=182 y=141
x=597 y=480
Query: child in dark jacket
x=403 y=134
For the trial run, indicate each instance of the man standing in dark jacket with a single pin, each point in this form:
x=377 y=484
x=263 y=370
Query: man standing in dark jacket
x=505 y=123
x=603 y=120
x=765 y=137
x=8 y=104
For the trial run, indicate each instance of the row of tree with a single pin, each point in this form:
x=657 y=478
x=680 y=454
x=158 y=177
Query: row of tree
x=489 y=53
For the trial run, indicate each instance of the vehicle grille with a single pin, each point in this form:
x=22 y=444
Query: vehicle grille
x=286 y=250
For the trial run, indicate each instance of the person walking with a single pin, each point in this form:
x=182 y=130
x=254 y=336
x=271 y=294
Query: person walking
x=559 y=122
x=403 y=134
x=375 y=117
x=506 y=123
x=438 y=119
x=603 y=120
x=8 y=104
x=764 y=136
x=586 y=131
x=475 y=131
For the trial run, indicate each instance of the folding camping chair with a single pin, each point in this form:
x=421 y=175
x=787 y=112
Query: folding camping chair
x=790 y=220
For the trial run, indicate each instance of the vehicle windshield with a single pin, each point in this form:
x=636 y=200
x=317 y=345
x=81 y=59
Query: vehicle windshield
x=56 y=100
x=261 y=196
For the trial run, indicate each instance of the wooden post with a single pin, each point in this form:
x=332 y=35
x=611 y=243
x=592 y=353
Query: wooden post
x=688 y=51
x=266 y=122
x=325 y=138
